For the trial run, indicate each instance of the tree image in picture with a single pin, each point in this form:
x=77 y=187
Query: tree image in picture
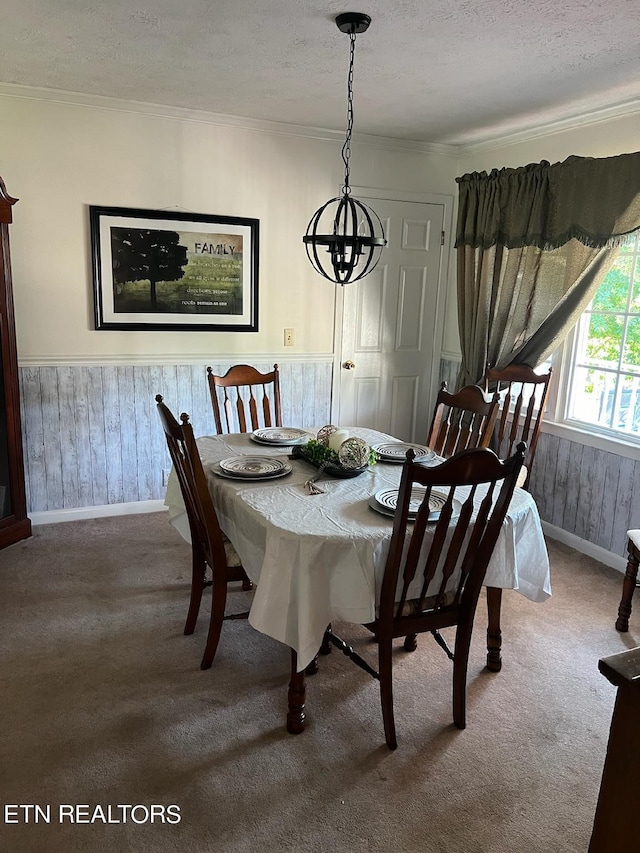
x=141 y=258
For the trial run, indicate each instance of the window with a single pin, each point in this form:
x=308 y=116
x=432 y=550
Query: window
x=604 y=381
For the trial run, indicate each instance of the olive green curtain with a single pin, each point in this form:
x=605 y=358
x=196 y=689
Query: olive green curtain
x=533 y=244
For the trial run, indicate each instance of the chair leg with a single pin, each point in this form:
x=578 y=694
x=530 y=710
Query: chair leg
x=628 y=587
x=198 y=570
x=411 y=642
x=218 y=604
x=385 y=667
x=494 y=631
x=460 y=665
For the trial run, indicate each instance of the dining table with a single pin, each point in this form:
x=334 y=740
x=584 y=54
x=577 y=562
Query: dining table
x=319 y=557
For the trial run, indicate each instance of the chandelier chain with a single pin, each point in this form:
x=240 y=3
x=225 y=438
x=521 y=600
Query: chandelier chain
x=345 y=237
x=346 y=148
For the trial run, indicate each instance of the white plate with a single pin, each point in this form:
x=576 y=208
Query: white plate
x=252 y=466
x=281 y=435
x=386 y=501
x=220 y=473
x=396 y=451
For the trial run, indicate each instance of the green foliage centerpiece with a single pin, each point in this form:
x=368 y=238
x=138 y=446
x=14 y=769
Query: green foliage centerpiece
x=352 y=456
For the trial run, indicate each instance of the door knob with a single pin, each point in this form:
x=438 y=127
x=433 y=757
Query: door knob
x=348 y=365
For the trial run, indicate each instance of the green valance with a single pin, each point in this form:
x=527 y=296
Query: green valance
x=593 y=200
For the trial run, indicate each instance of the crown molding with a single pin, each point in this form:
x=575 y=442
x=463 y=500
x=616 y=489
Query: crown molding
x=102 y=102
x=218 y=119
x=550 y=128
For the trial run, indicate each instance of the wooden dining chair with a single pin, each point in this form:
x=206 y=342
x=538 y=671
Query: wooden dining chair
x=523 y=397
x=462 y=420
x=209 y=545
x=241 y=395
x=434 y=581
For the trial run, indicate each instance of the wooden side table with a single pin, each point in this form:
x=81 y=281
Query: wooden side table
x=615 y=829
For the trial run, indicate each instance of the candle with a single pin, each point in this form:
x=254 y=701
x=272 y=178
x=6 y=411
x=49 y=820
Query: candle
x=336 y=439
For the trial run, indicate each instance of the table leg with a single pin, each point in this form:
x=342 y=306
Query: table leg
x=494 y=634
x=297 y=691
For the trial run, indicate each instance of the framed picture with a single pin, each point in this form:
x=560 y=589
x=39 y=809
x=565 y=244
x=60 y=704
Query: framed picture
x=160 y=270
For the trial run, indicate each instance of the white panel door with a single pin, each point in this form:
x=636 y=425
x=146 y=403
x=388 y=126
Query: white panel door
x=384 y=374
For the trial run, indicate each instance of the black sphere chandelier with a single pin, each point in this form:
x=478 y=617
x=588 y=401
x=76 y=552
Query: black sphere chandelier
x=345 y=229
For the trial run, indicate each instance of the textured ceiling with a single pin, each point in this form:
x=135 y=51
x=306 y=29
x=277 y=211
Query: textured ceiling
x=442 y=71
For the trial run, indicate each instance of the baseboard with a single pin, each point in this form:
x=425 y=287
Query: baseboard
x=131 y=508
x=585 y=547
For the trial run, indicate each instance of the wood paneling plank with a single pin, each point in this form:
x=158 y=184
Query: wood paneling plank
x=128 y=433
x=295 y=393
x=96 y=436
x=81 y=392
x=111 y=397
x=145 y=462
x=68 y=439
x=584 y=485
x=624 y=507
x=536 y=483
x=560 y=483
x=549 y=475
x=51 y=435
x=597 y=476
x=609 y=495
x=322 y=413
x=33 y=427
x=572 y=487
x=159 y=450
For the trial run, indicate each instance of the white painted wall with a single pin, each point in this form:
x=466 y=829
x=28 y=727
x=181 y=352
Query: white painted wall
x=59 y=158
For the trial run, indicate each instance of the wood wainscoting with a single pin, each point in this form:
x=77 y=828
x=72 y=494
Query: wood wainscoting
x=92 y=435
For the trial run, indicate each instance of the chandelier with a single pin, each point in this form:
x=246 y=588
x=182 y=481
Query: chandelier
x=345 y=229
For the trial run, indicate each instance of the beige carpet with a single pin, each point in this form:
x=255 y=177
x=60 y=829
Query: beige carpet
x=103 y=703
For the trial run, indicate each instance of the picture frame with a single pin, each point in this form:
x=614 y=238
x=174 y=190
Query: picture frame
x=172 y=271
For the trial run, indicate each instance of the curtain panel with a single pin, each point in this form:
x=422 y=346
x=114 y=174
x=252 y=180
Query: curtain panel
x=533 y=244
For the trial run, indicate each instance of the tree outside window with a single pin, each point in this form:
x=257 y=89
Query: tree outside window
x=605 y=382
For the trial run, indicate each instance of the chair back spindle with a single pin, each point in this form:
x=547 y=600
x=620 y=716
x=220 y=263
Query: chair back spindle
x=523 y=396
x=462 y=420
x=247 y=398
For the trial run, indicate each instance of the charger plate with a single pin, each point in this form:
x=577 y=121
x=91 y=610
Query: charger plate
x=219 y=472
x=253 y=467
x=396 y=451
x=386 y=502
x=281 y=435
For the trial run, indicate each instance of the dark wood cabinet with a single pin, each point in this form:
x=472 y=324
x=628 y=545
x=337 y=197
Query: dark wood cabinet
x=14 y=523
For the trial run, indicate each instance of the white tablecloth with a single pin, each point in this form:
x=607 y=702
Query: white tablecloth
x=317 y=559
